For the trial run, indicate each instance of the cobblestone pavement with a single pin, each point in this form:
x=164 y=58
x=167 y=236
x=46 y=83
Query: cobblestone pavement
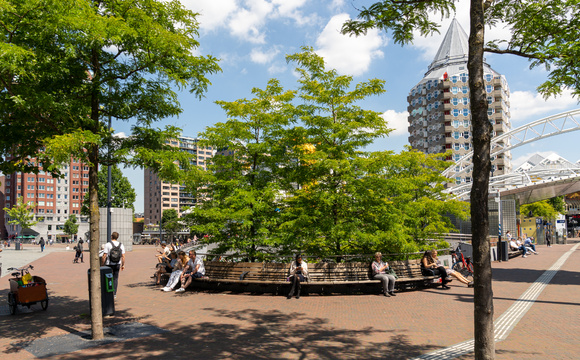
x=223 y=325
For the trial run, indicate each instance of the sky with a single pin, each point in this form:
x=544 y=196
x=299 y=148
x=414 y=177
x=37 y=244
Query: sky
x=252 y=37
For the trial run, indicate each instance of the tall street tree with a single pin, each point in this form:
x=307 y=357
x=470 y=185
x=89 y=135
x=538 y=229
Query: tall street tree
x=547 y=33
x=239 y=195
x=68 y=66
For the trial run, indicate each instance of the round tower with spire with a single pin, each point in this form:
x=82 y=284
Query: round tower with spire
x=439 y=109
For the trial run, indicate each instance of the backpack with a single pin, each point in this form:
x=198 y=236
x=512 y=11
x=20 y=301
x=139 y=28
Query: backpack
x=115 y=253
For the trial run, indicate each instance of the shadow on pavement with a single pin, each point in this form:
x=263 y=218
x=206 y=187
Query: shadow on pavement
x=269 y=335
x=563 y=277
x=65 y=313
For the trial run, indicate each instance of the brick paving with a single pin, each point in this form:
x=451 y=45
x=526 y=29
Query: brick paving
x=248 y=326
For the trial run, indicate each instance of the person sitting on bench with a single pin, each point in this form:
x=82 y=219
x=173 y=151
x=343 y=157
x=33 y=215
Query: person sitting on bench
x=298 y=274
x=429 y=267
x=451 y=272
x=193 y=270
x=380 y=273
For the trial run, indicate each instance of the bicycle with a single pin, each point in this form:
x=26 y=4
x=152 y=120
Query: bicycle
x=26 y=290
x=461 y=264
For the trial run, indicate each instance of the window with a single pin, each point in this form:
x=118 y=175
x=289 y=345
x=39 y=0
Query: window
x=488 y=88
x=465 y=89
x=466 y=134
x=456 y=146
x=30 y=187
x=455 y=112
x=40 y=187
x=465 y=112
x=488 y=77
x=41 y=195
x=41 y=203
x=30 y=178
x=465 y=100
x=30 y=196
x=455 y=101
x=40 y=179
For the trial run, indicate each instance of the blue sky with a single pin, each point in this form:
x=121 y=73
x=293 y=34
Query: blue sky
x=252 y=37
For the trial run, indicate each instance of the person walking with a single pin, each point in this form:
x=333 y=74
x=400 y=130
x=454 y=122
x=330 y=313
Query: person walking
x=114 y=257
x=79 y=252
x=548 y=238
x=41 y=243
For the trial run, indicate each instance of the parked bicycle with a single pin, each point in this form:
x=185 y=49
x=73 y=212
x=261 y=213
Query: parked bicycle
x=462 y=264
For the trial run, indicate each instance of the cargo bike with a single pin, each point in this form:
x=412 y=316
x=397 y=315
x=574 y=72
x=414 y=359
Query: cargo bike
x=26 y=289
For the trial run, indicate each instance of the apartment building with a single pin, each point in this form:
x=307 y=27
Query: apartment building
x=161 y=195
x=55 y=199
x=439 y=105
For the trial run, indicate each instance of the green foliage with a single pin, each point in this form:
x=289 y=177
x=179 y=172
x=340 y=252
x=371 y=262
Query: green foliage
x=542 y=209
x=238 y=196
x=558 y=203
x=122 y=193
x=70 y=226
x=22 y=214
x=170 y=222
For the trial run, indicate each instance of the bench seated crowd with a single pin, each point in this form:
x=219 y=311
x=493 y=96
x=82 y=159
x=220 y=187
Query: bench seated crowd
x=521 y=247
x=274 y=277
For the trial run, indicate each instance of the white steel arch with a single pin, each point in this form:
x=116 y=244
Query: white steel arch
x=540 y=129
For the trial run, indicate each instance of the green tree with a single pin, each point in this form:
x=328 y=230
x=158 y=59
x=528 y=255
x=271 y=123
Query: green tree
x=558 y=203
x=546 y=32
x=70 y=226
x=170 y=222
x=542 y=209
x=22 y=214
x=122 y=193
x=69 y=65
x=239 y=194
x=330 y=209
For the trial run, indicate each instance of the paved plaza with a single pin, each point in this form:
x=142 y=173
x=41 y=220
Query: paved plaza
x=539 y=296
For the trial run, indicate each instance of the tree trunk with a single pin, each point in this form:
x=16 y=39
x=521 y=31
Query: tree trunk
x=95 y=274
x=482 y=131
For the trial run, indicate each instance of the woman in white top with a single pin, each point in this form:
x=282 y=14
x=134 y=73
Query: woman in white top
x=298 y=274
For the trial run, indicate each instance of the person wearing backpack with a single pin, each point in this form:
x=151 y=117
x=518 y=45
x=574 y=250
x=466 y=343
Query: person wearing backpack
x=114 y=257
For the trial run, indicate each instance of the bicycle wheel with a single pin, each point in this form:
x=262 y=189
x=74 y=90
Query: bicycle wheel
x=467 y=274
x=458 y=266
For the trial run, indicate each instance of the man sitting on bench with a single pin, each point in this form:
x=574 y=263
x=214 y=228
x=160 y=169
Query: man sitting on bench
x=193 y=270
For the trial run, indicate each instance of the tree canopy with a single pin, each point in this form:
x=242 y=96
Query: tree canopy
x=68 y=66
x=22 y=214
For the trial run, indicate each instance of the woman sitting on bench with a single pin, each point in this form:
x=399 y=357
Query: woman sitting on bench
x=429 y=267
x=451 y=272
x=298 y=274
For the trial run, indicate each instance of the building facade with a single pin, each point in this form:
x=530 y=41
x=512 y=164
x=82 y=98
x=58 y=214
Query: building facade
x=55 y=199
x=439 y=105
x=161 y=195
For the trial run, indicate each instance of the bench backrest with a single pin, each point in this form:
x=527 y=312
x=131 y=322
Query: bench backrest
x=319 y=272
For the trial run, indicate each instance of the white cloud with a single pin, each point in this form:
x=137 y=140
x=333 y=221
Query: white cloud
x=247 y=23
x=213 y=14
x=120 y=135
x=397 y=121
x=263 y=57
x=346 y=54
x=527 y=105
x=276 y=69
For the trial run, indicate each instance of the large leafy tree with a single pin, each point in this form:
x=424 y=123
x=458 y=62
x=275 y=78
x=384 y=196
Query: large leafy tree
x=238 y=197
x=68 y=66
x=332 y=204
x=547 y=33
x=122 y=193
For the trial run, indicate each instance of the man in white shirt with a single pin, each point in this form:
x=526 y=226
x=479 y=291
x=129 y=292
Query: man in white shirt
x=114 y=265
x=193 y=269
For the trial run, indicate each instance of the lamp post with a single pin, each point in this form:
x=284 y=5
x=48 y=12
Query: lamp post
x=109 y=179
